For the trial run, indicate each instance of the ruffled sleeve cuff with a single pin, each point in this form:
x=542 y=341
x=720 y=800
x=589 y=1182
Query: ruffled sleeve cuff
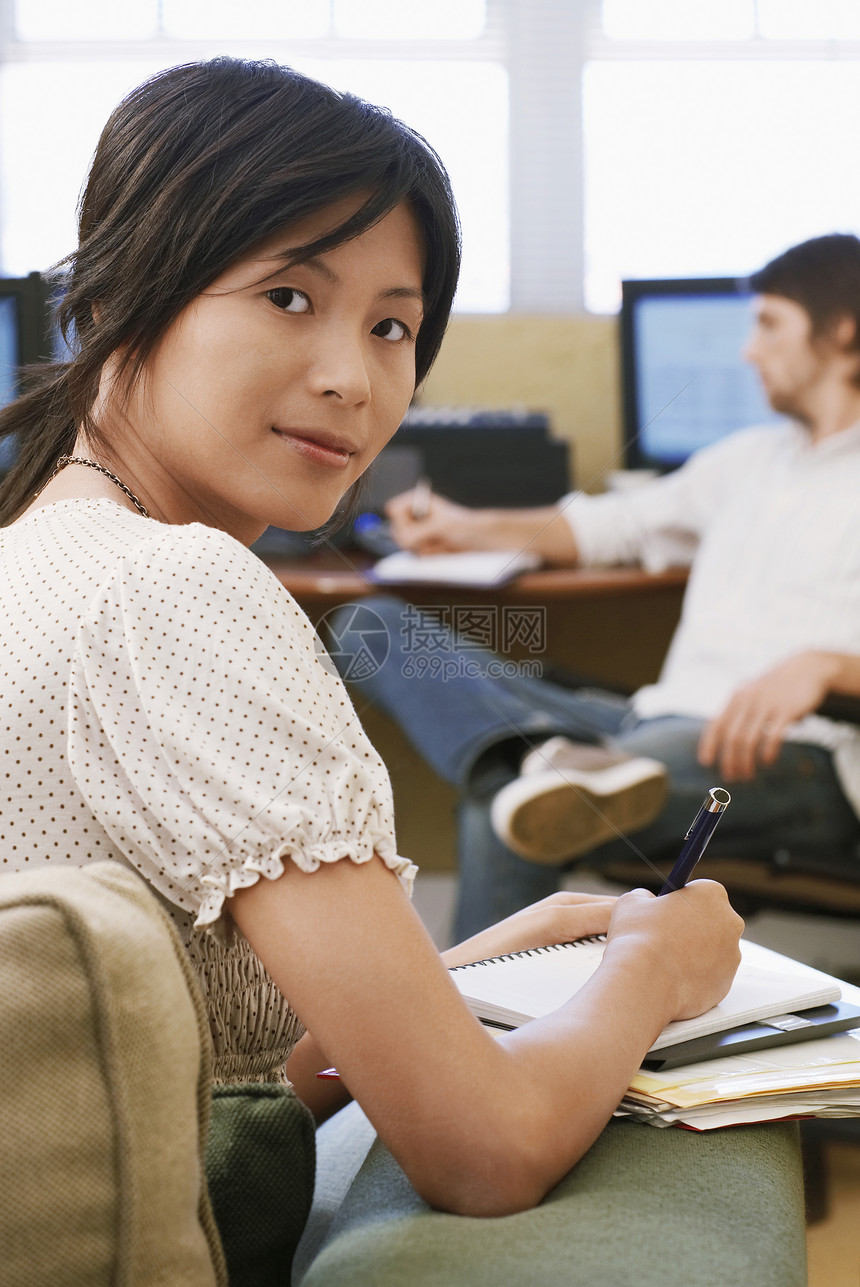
x=222 y=885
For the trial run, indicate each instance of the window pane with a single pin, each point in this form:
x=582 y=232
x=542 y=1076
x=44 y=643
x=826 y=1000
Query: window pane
x=711 y=168
x=85 y=19
x=51 y=116
x=409 y=19
x=800 y=20
x=61 y=128
x=679 y=19
x=249 y=20
x=476 y=157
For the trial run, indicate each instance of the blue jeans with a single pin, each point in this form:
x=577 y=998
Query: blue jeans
x=472 y=726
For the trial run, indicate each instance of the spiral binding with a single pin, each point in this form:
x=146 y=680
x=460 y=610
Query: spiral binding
x=531 y=951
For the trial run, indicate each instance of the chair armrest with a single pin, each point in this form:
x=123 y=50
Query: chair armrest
x=841 y=706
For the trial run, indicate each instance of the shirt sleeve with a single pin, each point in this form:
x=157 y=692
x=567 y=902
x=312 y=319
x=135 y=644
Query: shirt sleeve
x=209 y=732
x=659 y=524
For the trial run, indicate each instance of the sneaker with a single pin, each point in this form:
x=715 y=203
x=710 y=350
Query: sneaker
x=570 y=798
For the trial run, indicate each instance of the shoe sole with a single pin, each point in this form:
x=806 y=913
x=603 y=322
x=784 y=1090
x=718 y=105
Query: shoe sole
x=548 y=818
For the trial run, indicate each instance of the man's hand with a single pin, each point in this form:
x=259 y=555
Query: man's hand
x=750 y=730
x=442 y=529
x=446 y=528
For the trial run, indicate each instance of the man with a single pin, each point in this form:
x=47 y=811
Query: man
x=768 y=522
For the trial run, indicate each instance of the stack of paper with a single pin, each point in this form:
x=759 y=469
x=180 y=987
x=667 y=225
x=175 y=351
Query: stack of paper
x=479 y=568
x=812 y=1079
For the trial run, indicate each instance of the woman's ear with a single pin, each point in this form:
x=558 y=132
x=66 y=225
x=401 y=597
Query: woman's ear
x=843 y=332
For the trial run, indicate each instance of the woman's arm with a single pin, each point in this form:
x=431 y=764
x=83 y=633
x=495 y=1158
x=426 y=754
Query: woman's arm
x=322 y=1097
x=562 y=916
x=481 y=1127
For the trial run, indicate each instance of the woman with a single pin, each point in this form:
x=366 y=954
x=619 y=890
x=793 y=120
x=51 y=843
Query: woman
x=264 y=273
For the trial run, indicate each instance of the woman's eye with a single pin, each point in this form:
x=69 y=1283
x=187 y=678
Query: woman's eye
x=291 y=301
x=392 y=330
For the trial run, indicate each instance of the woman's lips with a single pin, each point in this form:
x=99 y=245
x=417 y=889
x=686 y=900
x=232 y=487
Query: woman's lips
x=316 y=449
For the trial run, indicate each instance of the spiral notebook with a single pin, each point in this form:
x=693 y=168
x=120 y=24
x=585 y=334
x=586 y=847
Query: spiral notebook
x=508 y=991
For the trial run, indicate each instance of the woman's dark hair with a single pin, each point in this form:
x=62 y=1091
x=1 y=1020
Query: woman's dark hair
x=822 y=275
x=194 y=168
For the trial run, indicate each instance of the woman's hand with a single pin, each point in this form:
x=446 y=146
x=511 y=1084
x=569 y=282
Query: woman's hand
x=687 y=941
x=557 y=919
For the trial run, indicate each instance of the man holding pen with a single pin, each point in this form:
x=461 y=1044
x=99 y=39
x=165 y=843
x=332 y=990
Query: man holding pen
x=767 y=521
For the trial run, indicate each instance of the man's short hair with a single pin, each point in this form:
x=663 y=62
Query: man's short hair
x=822 y=275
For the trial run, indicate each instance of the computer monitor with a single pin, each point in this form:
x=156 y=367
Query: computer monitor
x=24 y=339
x=684 y=382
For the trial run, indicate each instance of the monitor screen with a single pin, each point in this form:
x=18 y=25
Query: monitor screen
x=24 y=340
x=684 y=381
x=8 y=348
x=8 y=366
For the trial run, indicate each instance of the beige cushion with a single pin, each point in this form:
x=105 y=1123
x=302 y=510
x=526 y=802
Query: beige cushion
x=104 y=1088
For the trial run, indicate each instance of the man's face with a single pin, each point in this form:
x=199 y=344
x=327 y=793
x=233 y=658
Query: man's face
x=780 y=347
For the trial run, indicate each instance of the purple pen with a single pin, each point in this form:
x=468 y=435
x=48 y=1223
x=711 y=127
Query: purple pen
x=696 y=840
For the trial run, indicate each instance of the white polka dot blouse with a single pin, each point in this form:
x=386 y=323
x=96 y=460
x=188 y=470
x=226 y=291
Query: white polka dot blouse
x=164 y=705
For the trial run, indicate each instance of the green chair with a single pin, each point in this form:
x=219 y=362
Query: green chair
x=116 y=1153
x=644 y=1208
x=111 y=1139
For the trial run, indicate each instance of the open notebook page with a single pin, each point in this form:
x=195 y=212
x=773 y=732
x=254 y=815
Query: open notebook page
x=511 y=990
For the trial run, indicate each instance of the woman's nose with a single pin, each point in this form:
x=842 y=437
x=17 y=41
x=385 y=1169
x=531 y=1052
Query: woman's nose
x=340 y=371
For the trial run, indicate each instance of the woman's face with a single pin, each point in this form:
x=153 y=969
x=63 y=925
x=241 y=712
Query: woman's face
x=277 y=386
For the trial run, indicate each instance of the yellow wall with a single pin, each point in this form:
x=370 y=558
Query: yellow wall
x=566 y=366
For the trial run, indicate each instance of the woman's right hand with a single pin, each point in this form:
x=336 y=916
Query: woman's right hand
x=688 y=941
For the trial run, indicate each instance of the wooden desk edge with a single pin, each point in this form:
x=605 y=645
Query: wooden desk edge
x=342 y=584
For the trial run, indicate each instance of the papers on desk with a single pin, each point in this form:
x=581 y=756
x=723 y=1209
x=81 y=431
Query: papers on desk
x=815 y=1078
x=481 y=569
x=812 y=1079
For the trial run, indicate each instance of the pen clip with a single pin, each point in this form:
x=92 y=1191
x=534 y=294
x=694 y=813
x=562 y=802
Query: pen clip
x=696 y=820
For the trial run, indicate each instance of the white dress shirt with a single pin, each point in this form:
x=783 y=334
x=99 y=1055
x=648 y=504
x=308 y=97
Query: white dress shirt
x=769 y=523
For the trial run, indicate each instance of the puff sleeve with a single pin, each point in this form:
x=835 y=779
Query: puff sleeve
x=206 y=734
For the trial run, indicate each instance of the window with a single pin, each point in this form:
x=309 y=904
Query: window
x=67 y=66
x=716 y=135
x=587 y=140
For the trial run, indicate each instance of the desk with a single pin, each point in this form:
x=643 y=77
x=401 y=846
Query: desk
x=329 y=577
x=612 y=624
